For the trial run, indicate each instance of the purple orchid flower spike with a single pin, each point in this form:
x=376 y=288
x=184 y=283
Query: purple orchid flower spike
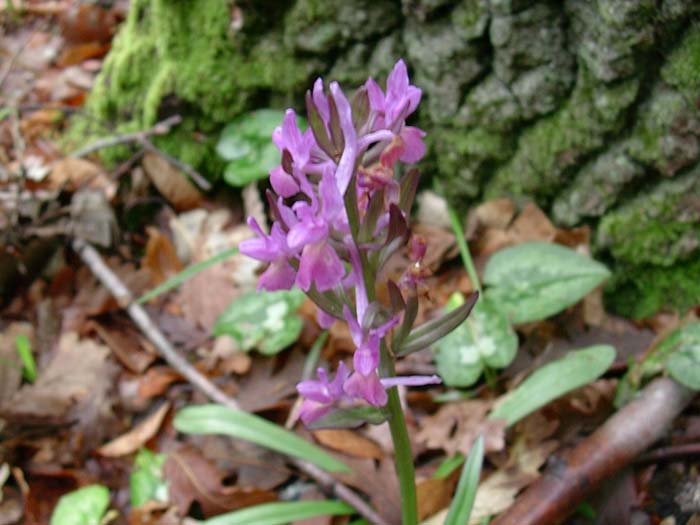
x=321 y=395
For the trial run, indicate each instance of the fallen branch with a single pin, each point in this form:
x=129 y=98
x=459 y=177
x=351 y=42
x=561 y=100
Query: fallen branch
x=143 y=138
x=125 y=299
x=624 y=436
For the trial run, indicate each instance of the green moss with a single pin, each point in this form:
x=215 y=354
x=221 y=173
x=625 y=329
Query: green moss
x=556 y=143
x=682 y=69
x=641 y=291
x=661 y=226
x=466 y=157
x=170 y=58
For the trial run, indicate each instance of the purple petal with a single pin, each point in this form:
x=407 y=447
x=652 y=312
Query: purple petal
x=397 y=82
x=355 y=328
x=376 y=95
x=310 y=411
x=346 y=164
x=388 y=382
x=279 y=276
x=414 y=147
x=315 y=391
x=283 y=183
x=335 y=387
x=321 y=265
x=307 y=232
x=324 y=319
x=330 y=196
x=366 y=358
x=320 y=100
x=367 y=387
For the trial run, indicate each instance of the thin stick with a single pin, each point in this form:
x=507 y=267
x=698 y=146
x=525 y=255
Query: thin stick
x=143 y=138
x=125 y=299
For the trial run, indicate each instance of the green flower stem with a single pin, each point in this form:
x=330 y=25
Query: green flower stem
x=403 y=457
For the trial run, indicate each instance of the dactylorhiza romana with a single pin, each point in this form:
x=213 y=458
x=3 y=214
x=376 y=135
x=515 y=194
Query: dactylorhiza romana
x=341 y=204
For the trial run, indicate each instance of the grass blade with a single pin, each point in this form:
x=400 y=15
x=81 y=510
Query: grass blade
x=462 y=503
x=24 y=351
x=187 y=273
x=217 y=419
x=281 y=513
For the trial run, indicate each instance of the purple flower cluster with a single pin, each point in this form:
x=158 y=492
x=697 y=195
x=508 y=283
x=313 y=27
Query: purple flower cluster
x=340 y=209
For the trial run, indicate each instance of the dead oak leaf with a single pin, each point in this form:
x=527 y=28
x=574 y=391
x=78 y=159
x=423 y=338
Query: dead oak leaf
x=456 y=425
x=349 y=442
x=192 y=478
x=74 y=387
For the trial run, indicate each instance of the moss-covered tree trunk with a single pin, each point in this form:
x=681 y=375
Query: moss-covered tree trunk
x=591 y=108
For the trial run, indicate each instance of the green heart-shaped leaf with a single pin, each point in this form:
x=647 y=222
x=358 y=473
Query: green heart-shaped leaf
x=534 y=280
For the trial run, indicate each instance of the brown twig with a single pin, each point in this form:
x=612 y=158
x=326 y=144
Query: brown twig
x=670 y=453
x=143 y=138
x=614 y=445
x=125 y=299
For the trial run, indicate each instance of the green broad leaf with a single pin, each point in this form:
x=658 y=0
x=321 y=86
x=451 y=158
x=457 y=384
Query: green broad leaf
x=263 y=320
x=85 y=506
x=577 y=368
x=463 y=501
x=24 y=351
x=683 y=348
x=187 y=273
x=485 y=338
x=241 y=172
x=350 y=418
x=146 y=481
x=246 y=143
x=281 y=513
x=217 y=419
x=535 y=280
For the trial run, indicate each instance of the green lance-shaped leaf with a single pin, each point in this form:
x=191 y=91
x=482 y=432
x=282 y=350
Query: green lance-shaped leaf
x=281 y=513
x=683 y=349
x=24 y=350
x=266 y=321
x=463 y=501
x=427 y=333
x=85 y=506
x=534 y=280
x=484 y=339
x=218 y=419
x=577 y=368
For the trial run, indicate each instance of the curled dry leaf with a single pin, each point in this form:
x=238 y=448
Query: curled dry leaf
x=349 y=442
x=171 y=182
x=192 y=478
x=433 y=495
x=137 y=436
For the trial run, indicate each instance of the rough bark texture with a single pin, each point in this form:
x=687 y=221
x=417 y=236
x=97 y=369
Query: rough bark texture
x=591 y=108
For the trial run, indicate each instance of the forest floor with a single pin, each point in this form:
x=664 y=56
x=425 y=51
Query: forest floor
x=88 y=396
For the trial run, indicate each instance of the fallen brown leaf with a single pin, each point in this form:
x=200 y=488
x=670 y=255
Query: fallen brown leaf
x=171 y=182
x=349 y=442
x=192 y=478
x=160 y=258
x=456 y=425
x=270 y=381
x=156 y=381
x=137 y=436
x=433 y=495
x=532 y=225
x=123 y=339
x=496 y=213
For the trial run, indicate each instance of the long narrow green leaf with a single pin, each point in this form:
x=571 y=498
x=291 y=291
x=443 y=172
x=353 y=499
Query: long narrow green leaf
x=217 y=419
x=24 y=350
x=281 y=513
x=577 y=368
x=187 y=273
x=462 y=503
